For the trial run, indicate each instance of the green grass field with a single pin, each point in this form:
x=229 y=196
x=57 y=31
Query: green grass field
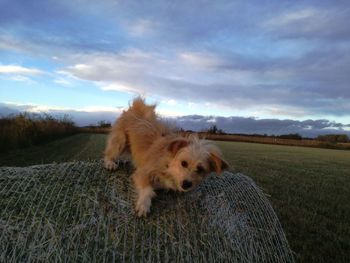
x=308 y=187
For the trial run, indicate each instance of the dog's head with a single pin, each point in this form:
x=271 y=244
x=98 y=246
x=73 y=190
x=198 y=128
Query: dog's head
x=192 y=160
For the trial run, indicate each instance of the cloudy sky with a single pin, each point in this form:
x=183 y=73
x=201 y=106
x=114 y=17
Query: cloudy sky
x=277 y=65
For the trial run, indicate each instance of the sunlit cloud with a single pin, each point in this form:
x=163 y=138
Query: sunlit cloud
x=141 y=27
x=115 y=86
x=15 y=69
x=63 y=82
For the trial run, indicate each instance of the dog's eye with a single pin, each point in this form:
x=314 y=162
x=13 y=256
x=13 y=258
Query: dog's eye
x=184 y=164
x=200 y=169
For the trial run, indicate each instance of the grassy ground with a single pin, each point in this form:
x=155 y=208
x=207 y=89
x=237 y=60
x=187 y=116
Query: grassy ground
x=308 y=187
x=310 y=191
x=76 y=147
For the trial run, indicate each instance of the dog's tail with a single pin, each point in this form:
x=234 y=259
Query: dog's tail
x=141 y=109
x=145 y=120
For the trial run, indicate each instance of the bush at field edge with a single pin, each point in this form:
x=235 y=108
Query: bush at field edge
x=28 y=129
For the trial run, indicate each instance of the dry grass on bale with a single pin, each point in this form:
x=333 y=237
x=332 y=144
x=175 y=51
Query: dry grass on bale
x=77 y=211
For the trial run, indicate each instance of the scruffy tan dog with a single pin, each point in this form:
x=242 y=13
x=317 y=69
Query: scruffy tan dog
x=163 y=159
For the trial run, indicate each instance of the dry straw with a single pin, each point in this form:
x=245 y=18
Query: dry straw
x=78 y=212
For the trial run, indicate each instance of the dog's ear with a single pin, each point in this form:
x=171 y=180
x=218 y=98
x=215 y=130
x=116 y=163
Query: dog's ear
x=176 y=145
x=216 y=163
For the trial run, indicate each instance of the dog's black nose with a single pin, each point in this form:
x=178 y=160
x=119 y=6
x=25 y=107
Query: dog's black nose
x=186 y=184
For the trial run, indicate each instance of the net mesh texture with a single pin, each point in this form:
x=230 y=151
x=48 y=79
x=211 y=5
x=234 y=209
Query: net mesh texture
x=79 y=212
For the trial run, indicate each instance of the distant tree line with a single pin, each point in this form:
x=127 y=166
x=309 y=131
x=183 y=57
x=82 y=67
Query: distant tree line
x=104 y=124
x=333 y=138
x=293 y=136
x=215 y=130
x=100 y=124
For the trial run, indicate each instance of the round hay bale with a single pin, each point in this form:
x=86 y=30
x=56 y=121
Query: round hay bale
x=78 y=211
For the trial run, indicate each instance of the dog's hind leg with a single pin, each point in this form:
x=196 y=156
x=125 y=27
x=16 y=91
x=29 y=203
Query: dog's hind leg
x=115 y=146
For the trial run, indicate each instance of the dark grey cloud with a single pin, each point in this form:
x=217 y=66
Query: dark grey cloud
x=7 y=111
x=319 y=20
x=243 y=125
x=49 y=26
x=316 y=83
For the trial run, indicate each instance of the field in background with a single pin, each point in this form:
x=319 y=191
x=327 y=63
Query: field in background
x=26 y=130
x=308 y=187
x=275 y=140
x=247 y=138
x=310 y=192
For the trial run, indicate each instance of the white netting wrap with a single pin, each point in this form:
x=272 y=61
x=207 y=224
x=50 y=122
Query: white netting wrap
x=78 y=212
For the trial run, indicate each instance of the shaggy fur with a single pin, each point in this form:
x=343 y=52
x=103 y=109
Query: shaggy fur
x=163 y=159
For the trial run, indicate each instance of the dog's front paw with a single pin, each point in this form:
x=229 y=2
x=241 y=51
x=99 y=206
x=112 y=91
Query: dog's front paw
x=110 y=165
x=143 y=207
x=142 y=210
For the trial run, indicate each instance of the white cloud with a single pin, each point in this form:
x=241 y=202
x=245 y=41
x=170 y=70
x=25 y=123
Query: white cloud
x=212 y=120
x=117 y=86
x=37 y=108
x=170 y=102
x=191 y=105
x=9 y=42
x=292 y=17
x=15 y=69
x=170 y=77
x=142 y=27
x=169 y=113
x=63 y=82
x=200 y=60
x=308 y=23
x=281 y=111
x=21 y=79
x=231 y=83
x=81 y=67
x=101 y=109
